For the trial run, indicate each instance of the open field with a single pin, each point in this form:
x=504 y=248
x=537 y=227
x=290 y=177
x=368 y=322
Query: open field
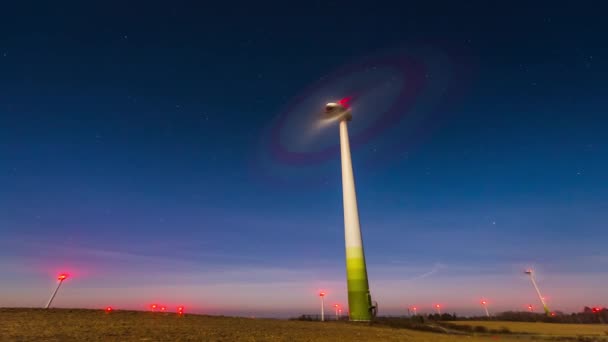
x=96 y=325
x=539 y=328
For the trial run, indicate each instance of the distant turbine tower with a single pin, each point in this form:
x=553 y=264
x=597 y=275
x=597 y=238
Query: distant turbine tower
x=322 y=295
x=530 y=272
x=485 y=307
x=359 y=299
x=60 y=279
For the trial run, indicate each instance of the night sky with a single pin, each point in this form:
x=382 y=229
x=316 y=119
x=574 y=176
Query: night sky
x=135 y=154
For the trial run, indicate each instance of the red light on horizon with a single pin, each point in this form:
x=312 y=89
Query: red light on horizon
x=322 y=294
x=484 y=302
x=437 y=306
x=180 y=310
x=62 y=276
x=109 y=309
x=153 y=306
x=163 y=308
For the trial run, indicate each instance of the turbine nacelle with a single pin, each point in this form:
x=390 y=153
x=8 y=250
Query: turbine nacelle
x=338 y=111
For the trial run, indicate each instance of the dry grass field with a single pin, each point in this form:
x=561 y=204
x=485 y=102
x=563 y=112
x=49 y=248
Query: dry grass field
x=550 y=329
x=96 y=325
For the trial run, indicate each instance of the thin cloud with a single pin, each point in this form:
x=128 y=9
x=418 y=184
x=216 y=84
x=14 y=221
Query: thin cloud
x=436 y=268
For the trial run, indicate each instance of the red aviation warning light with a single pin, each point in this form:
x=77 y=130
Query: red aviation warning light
x=109 y=309
x=345 y=101
x=62 y=276
x=163 y=308
x=180 y=310
x=321 y=294
x=153 y=307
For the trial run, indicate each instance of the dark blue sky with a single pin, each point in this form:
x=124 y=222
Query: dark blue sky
x=130 y=137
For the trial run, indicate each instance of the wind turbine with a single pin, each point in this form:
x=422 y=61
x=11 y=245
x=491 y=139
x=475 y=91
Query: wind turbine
x=484 y=303
x=60 y=279
x=322 y=295
x=359 y=298
x=530 y=272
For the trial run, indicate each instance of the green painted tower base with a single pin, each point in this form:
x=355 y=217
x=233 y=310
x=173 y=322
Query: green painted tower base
x=359 y=298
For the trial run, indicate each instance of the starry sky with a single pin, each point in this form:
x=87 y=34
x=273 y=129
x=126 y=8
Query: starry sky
x=134 y=156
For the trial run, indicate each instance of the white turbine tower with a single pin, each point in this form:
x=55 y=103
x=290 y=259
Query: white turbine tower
x=359 y=299
x=530 y=272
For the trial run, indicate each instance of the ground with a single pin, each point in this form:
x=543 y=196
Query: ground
x=96 y=325
x=550 y=329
